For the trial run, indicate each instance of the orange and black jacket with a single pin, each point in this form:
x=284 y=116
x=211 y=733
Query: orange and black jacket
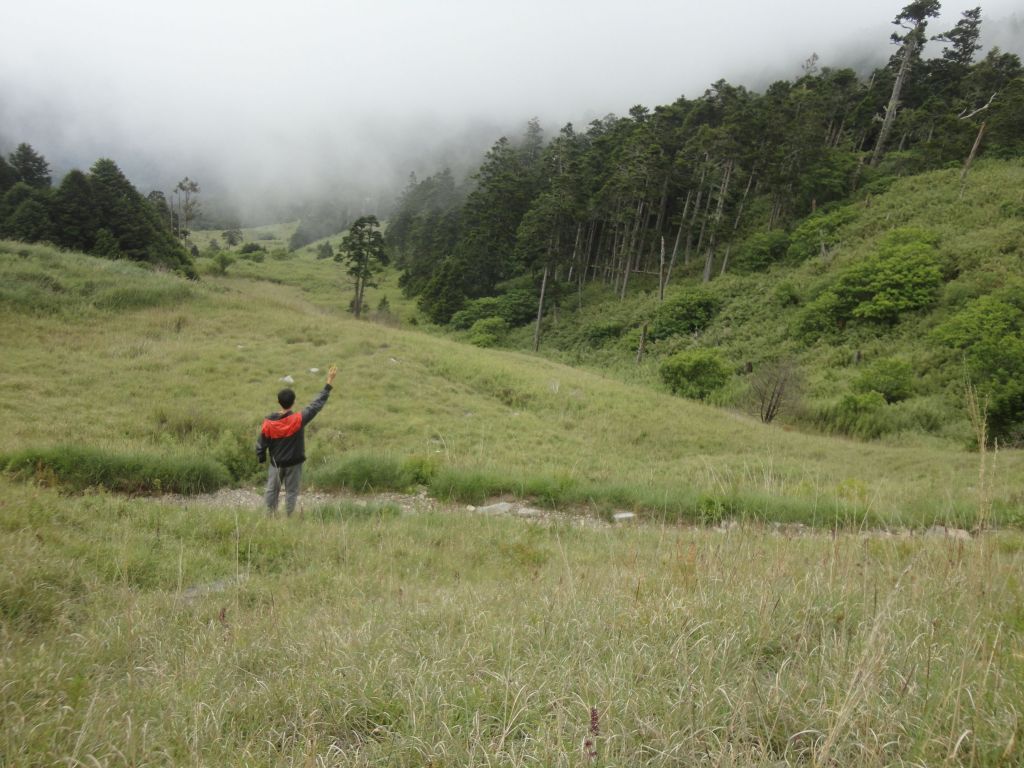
x=282 y=433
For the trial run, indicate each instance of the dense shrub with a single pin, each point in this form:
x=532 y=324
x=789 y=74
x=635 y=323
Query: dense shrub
x=77 y=468
x=988 y=334
x=488 y=332
x=819 y=317
x=601 y=332
x=221 y=262
x=516 y=308
x=761 y=250
x=891 y=378
x=903 y=275
x=818 y=232
x=685 y=313
x=695 y=373
x=475 y=310
x=252 y=248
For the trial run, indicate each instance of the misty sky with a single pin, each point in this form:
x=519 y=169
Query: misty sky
x=257 y=93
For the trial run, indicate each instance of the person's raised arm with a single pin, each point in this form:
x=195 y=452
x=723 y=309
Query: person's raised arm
x=314 y=407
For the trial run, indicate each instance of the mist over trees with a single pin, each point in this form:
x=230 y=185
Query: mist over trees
x=732 y=182
x=687 y=183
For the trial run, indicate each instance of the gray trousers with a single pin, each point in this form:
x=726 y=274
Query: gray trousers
x=291 y=478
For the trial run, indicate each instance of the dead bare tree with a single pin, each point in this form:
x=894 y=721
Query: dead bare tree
x=774 y=387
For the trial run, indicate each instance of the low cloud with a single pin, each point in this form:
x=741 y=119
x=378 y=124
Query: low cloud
x=262 y=99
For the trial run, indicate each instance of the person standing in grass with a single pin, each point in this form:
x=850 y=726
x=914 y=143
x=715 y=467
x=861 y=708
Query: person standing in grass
x=281 y=436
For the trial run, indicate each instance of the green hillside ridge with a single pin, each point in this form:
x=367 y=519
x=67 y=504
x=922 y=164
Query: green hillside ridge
x=194 y=376
x=764 y=312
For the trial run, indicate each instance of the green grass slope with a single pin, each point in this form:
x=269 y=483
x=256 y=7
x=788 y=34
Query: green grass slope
x=195 y=375
x=773 y=305
x=153 y=631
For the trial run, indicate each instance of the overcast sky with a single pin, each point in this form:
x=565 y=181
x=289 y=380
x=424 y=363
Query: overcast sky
x=298 y=92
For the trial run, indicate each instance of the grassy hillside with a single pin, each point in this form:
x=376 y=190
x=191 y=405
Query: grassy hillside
x=154 y=631
x=194 y=376
x=777 y=302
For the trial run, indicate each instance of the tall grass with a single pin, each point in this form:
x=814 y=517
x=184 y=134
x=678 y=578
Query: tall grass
x=134 y=632
x=78 y=468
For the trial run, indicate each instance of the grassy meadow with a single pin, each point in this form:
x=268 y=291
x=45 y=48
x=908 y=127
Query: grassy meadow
x=138 y=630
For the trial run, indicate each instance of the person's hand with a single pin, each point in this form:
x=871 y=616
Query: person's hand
x=331 y=374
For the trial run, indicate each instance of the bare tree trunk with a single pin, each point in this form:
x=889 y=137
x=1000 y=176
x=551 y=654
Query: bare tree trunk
x=723 y=190
x=613 y=259
x=970 y=158
x=575 y=252
x=661 y=272
x=736 y=224
x=540 y=309
x=632 y=247
x=909 y=48
x=704 y=223
x=675 y=247
x=662 y=208
x=643 y=345
x=357 y=302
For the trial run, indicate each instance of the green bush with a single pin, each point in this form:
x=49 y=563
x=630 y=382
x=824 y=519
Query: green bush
x=517 y=307
x=685 y=313
x=761 y=250
x=601 y=332
x=77 y=468
x=891 y=378
x=819 y=317
x=819 y=231
x=695 y=373
x=902 y=276
x=221 y=262
x=488 y=332
x=234 y=449
x=786 y=294
x=988 y=336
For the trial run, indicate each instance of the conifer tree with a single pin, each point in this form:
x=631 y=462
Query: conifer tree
x=913 y=18
x=30 y=166
x=74 y=214
x=363 y=250
x=8 y=176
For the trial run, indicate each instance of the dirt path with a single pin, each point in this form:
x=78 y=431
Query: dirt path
x=310 y=501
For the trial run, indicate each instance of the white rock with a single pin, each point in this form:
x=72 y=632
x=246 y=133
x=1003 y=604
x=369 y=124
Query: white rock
x=470 y=508
x=287 y=379
x=623 y=517
x=529 y=512
x=314 y=370
x=501 y=508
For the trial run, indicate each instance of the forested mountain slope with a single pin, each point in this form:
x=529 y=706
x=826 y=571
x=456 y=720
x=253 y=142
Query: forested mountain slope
x=853 y=241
